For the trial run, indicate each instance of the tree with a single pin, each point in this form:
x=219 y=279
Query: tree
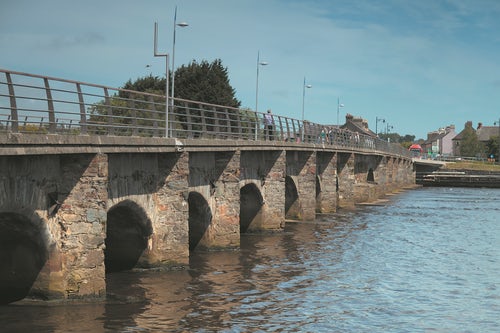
x=492 y=146
x=150 y=84
x=205 y=82
x=405 y=141
x=470 y=145
x=143 y=115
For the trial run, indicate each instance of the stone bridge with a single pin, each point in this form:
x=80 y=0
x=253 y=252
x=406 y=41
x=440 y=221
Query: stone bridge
x=95 y=179
x=75 y=207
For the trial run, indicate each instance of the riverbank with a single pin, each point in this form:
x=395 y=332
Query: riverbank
x=464 y=174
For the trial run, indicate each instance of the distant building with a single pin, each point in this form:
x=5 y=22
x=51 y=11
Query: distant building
x=484 y=134
x=357 y=124
x=439 y=142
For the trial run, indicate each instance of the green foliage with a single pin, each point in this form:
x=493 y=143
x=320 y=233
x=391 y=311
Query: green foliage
x=405 y=141
x=205 y=82
x=32 y=128
x=128 y=113
x=492 y=146
x=150 y=84
x=470 y=145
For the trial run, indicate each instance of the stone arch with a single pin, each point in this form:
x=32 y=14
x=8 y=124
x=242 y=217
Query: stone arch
x=251 y=202
x=200 y=218
x=291 y=198
x=24 y=250
x=128 y=229
x=370 y=177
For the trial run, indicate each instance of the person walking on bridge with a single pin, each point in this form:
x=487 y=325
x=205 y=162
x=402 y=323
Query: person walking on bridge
x=269 y=125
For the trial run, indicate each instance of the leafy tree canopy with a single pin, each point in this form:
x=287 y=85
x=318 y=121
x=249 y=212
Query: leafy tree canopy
x=201 y=82
x=150 y=84
x=405 y=141
x=205 y=82
x=492 y=146
x=470 y=145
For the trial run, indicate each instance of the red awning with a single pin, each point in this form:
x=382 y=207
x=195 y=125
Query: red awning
x=415 y=147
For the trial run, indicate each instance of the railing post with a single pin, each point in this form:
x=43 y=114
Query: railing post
x=229 y=130
x=280 y=128
x=256 y=124
x=216 y=122
x=239 y=125
x=295 y=132
x=133 y=114
x=83 y=117
x=13 y=105
x=50 y=104
x=107 y=102
x=154 y=115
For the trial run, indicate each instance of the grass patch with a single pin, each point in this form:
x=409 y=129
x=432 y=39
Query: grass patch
x=470 y=165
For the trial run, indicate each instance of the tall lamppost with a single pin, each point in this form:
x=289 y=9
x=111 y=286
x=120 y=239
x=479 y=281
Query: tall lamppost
x=339 y=105
x=304 y=86
x=498 y=123
x=156 y=54
x=377 y=119
x=259 y=63
x=387 y=130
x=182 y=25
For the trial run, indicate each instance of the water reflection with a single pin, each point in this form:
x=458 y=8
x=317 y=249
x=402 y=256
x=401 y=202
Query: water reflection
x=427 y=261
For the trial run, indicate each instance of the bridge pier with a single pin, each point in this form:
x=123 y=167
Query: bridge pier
x=262 y=193
x=345 y=180
x=364 y=178
x=82 y=217
x=301 y=187
x=54 y=207
x=147 y=210
x=326 y=182
x=214 y=200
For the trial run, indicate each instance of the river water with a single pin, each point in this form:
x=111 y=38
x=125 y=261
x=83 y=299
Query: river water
x=428 y=260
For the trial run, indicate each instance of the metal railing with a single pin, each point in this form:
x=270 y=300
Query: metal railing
x=38 y=104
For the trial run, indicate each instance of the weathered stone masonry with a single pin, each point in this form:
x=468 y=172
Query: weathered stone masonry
x=62 y=215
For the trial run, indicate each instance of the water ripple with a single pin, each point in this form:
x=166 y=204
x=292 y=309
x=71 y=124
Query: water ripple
x=425 y=262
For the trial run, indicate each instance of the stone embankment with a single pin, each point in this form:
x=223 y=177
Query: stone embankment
x=461 y=178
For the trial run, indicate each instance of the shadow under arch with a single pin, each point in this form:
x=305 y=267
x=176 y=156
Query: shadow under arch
x=291 y=198
x=24 y=250
x=318 y=194
x=251 y=202
x=370 y=177
x=127 y=231
x=200 y=218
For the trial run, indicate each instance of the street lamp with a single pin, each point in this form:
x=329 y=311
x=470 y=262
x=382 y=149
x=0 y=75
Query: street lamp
x=387 y=130
x=259 y=63
x=377 y=119
x=182 y=25
x=156 y=54
x=304 y=86
x=498 y=123
x=339 y=105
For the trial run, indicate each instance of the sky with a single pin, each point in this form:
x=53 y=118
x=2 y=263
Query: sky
x=419 y=65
